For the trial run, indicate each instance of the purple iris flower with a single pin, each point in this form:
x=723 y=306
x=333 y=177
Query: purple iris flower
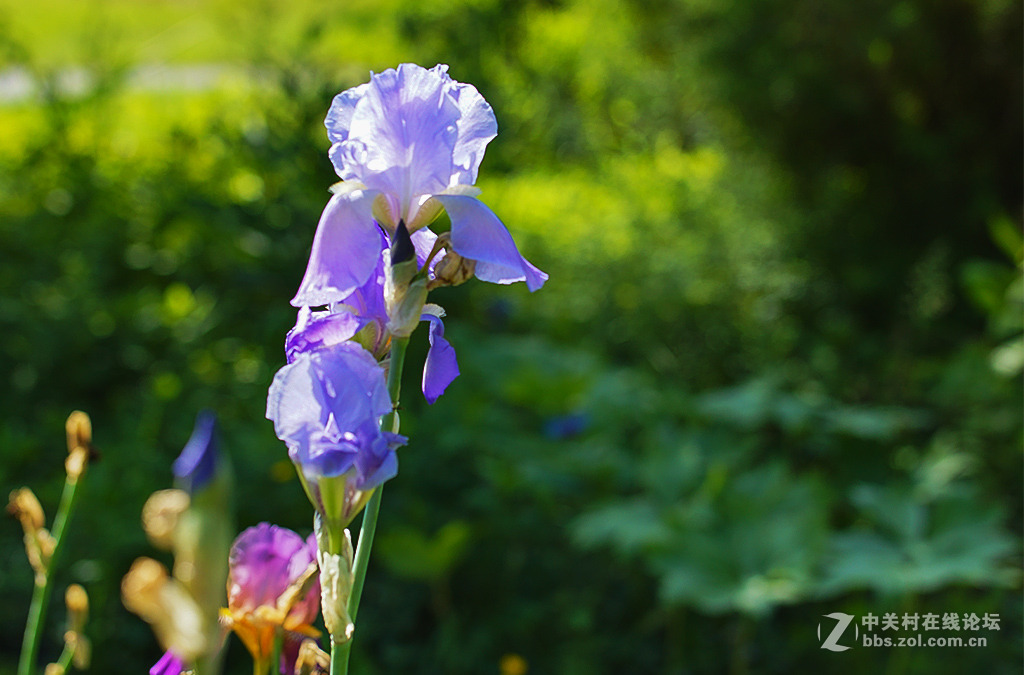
x=266 y=563
x=326 y=405
x=407 y=144
x=362 y=315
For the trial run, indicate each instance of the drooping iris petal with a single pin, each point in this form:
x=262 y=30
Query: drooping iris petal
x=367 y=450
x=441 y=366
x=318 y=398
x=368 y=299
x=479 y=235
x=376 y=462
x=320 y=330
x=346 y=248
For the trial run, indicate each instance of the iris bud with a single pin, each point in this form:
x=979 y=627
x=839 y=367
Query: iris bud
x=453 y=269
x=404 y=292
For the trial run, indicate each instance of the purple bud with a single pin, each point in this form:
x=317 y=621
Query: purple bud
x=195 y=465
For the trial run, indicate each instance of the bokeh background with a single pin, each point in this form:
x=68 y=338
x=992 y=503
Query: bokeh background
x=776 y=372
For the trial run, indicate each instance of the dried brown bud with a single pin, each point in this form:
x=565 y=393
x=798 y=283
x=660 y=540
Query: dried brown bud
x=24 y=506
x=83 y=652
x=452 y=270
x=46 y=543
x=39 y=544
x=160 y=516
x=76 y=462
x=77 y=602
x=176 y=619
x=141 y=586
x=311 y=660
x=79 y=430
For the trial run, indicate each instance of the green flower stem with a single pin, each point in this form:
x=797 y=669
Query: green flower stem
x=66 y=657
x=390 y=422
x=339 y=657
x=362 y=559
x=275 y=650
x=41 y=592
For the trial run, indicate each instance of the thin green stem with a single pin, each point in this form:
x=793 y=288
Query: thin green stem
x=398 y=347
x=65 y=657
x=275 y=650
x=390 y=422
x=362 y=559
x=41 y=592
x=339 y=657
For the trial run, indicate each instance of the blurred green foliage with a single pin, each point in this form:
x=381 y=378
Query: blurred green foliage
x=775 y=373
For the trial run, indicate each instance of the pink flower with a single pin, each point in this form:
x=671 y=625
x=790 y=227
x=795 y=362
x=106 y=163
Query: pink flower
x=270 y=588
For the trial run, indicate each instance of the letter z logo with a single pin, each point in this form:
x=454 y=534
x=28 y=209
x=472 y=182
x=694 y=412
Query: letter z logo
x=831 y=643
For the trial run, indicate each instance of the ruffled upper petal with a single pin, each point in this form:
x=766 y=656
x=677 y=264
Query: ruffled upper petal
x=477 y=127
x=339 y=117
x=441 y=367
x=346 y=249
x=401 y=135
x=410 y=132
x=479 y=235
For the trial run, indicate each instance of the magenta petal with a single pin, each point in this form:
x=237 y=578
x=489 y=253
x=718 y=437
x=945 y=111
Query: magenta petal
x=346 y=248
x=264 y=561
x=169 y=664
x=478 y=234
x=441 y=366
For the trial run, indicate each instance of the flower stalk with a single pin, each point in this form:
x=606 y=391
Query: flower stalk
x=340 y=650
x=79 y=434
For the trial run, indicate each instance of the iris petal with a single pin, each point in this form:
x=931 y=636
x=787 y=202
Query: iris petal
x=321 y=330
x=424 y=240
x=332 y=389
x=339 y=117
x=169 y=664
x=402 y=134
x=441 y=366
x=479 y=235
x=345 y=251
